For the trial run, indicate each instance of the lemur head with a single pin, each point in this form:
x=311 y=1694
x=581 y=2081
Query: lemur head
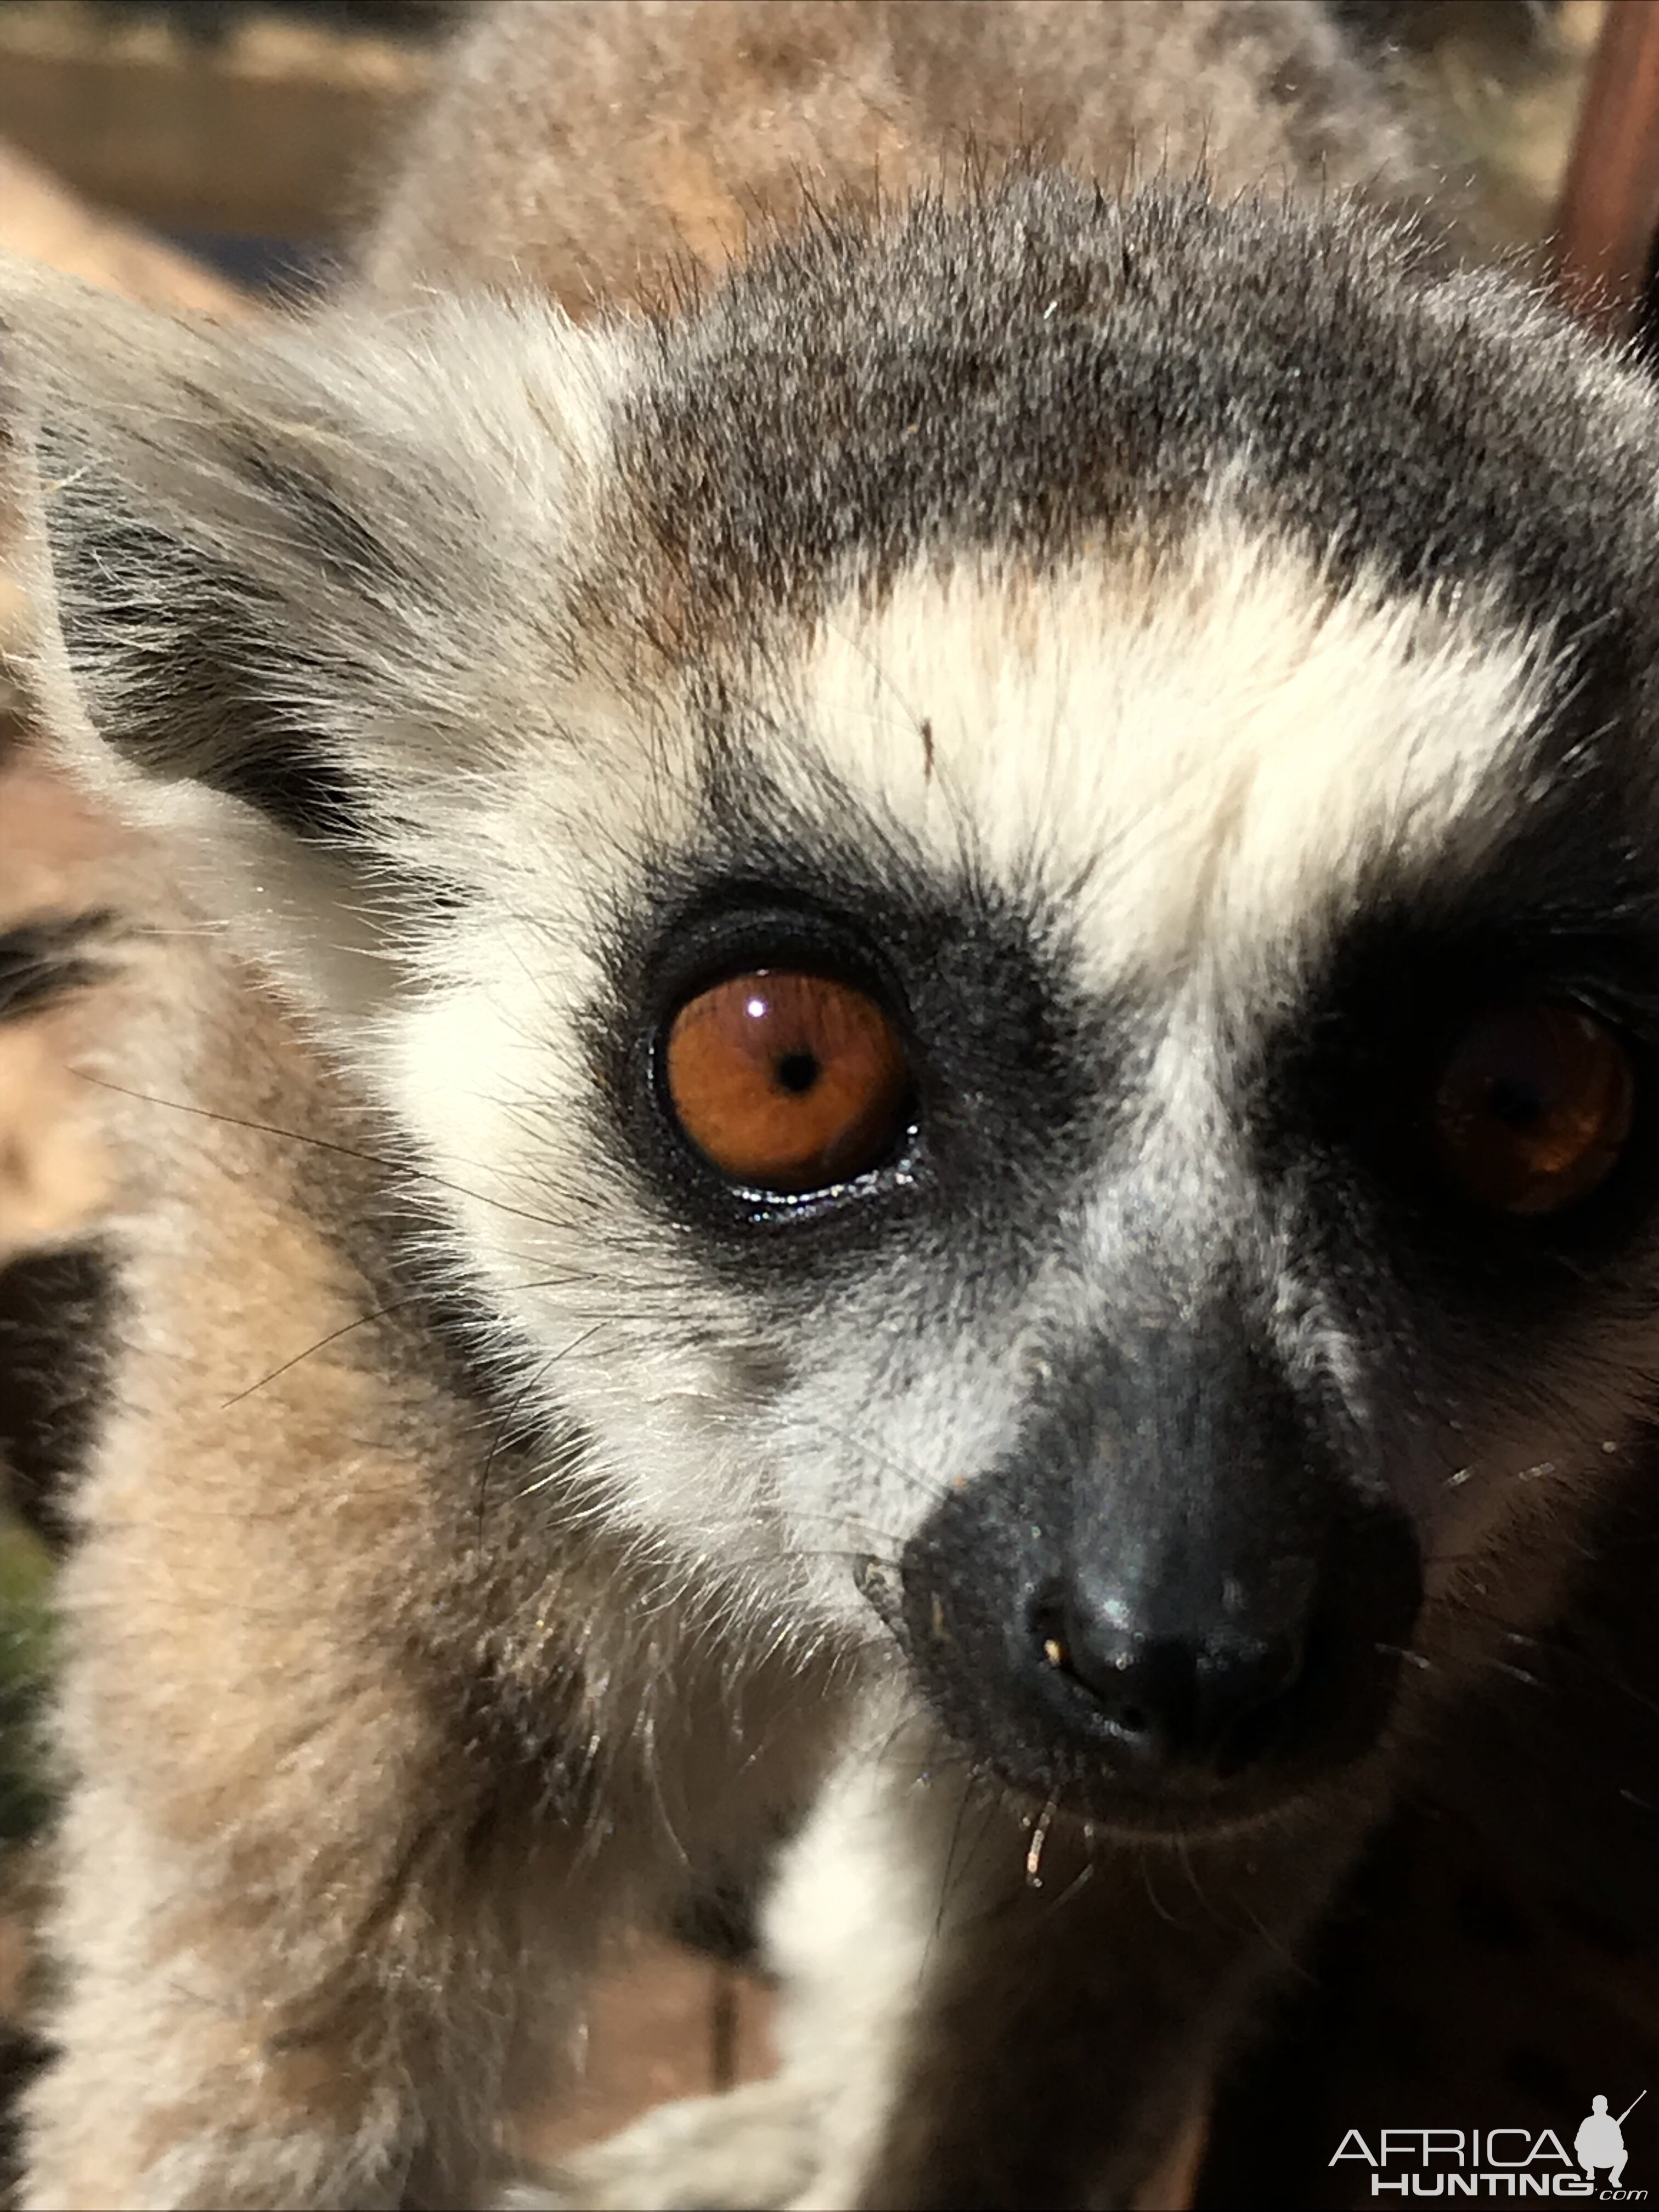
x=1005 y=882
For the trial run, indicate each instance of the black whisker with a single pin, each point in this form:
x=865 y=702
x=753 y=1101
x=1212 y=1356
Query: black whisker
x=503 y=1427
x=400 y=1169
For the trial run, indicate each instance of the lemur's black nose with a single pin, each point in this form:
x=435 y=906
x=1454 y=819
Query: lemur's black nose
x=1166 y=1702
x=1176 y=1602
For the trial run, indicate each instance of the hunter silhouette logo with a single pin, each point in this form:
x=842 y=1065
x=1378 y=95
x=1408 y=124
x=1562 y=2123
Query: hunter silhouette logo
x=1496 y=2163
x=1600 y=2140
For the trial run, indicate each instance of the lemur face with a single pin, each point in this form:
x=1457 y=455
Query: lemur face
x=1177 y=1131
x=1022 y=869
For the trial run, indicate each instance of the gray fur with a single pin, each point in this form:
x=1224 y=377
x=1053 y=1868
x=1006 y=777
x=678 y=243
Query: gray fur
x=1180 y=646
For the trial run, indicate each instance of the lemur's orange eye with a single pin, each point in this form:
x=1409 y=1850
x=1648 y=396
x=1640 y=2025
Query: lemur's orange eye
x=788 y=1082
x=1535 y=1107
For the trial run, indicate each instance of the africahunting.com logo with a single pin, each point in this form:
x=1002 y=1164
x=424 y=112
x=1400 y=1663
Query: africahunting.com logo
x=1499 y=2162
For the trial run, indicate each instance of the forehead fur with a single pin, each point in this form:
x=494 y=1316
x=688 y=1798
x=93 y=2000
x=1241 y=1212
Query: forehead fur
x=1208 y=754
x=1046 y=366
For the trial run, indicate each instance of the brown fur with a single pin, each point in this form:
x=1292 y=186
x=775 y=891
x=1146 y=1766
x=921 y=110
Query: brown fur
x=604 y=151
x=252 y=2024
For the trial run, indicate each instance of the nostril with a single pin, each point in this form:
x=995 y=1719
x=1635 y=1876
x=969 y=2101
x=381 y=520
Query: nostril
x=1052 y=1631
x=1168 y=1699
x=1129 y=1683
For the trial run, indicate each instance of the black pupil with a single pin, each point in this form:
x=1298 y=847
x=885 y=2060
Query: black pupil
x=798 y=1071
x=1516 y=1102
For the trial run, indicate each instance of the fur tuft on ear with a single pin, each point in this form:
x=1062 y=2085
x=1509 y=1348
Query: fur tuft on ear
x=286 y=566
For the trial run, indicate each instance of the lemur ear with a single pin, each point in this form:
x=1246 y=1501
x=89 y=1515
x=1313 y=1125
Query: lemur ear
x=273 y=564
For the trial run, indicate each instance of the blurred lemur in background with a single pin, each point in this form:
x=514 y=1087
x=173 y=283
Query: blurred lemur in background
x=901 y=1081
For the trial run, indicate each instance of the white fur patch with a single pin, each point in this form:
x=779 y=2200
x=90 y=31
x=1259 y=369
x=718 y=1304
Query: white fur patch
x=1204 y=759
x=1191 y=770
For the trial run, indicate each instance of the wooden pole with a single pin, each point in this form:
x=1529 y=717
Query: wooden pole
x=1604 y=231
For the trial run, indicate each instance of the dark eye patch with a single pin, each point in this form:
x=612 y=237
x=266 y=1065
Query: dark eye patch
x=1443 y=1071
x=1007 y=1066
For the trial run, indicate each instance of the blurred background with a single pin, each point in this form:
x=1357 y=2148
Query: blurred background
x=240 y=130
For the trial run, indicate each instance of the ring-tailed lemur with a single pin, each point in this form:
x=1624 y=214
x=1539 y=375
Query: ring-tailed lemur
x=924 y=1086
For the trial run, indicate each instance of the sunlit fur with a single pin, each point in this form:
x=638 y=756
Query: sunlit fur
x=1166 y=626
